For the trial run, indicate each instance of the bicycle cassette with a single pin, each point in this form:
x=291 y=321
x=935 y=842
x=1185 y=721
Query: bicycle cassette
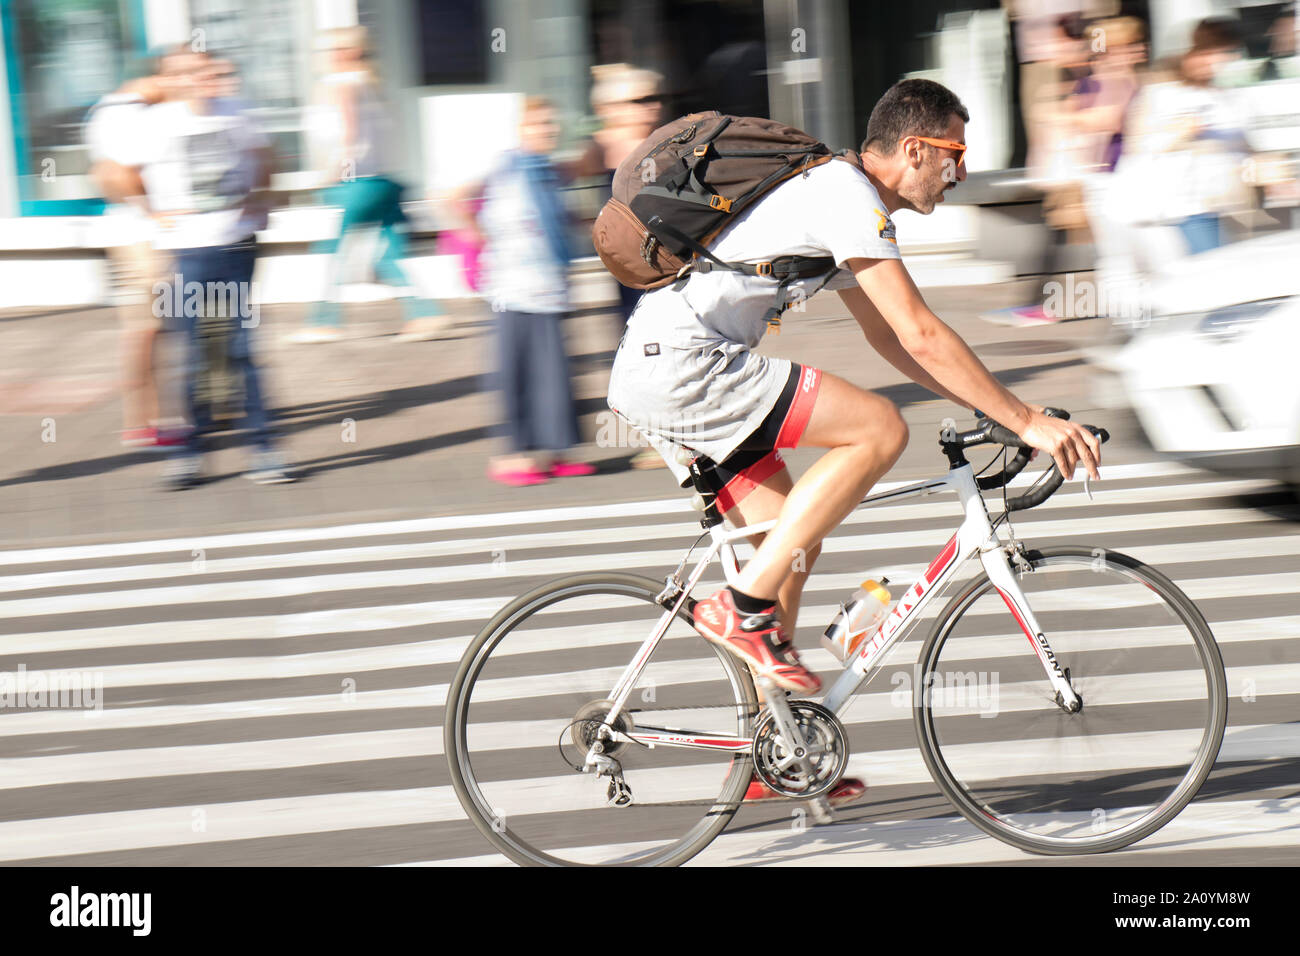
x=587 y=723
x=826 y=748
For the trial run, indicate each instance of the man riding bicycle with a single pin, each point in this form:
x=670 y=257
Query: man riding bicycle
x=686 y=373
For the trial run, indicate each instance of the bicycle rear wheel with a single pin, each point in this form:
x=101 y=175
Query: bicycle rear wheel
x=1021 y=768
x=549 y=658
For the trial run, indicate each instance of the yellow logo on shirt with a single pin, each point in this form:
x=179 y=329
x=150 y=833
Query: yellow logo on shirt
x=885 y=227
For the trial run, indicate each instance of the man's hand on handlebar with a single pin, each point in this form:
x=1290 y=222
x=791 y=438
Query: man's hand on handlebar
x=1068 y=443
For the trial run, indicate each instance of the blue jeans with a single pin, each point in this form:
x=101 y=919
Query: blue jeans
x=1201 y=232
x=210 y=328
x=533 y=376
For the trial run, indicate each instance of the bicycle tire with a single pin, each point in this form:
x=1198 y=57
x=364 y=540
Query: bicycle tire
x=1197 y=772
x=715 y=819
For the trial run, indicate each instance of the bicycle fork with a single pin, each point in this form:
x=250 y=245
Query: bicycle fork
x=997 y=565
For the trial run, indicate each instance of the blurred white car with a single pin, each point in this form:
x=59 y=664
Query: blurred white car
x=1215 y=376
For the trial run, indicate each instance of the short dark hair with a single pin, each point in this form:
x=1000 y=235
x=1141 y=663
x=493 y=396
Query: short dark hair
x=1216 y=33
x=911 y=108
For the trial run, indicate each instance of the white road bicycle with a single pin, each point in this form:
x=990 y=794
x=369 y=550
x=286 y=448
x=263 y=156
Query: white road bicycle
x=1081 y=721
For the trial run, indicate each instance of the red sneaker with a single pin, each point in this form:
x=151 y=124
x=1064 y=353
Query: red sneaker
x=757 y=640
x=847 y=791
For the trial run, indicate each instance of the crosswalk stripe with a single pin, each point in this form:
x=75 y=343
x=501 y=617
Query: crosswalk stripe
x=261 y=589
x=425 y=695
x=308 y=750
x=422 y=653
x=175 y=826
x=185 y=565
x=1205 y=827
x=619 y=511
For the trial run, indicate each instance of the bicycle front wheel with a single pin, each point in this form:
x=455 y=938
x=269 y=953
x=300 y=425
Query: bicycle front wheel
x=1021 y=768
x=538 y=672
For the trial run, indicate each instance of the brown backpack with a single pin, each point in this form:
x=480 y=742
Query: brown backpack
x=687 y=182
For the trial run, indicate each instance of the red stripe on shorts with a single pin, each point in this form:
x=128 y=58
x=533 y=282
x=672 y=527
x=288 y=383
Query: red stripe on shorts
x=801 y=409
x=734 y=491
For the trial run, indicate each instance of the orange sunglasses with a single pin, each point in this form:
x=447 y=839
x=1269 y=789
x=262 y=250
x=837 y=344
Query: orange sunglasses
x=946 y=144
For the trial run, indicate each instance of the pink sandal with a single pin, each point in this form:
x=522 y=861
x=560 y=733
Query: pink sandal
x=518 y=479
x=571 y=469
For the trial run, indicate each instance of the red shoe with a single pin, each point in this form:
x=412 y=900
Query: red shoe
x=847 y=791
x=571 y=469
x=757 y=640
x=171 y=437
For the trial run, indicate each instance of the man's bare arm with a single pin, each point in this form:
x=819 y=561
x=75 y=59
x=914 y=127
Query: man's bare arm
x=883 y=340
x=932 y=344
x=950 y=363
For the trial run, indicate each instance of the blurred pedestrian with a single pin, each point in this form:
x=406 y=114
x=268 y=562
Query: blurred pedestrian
x=208 y=163
x=527 y=249
x=352 y=123
x=1098 y=106
x=1189 y=145
x=629 y=103
x=115 y=139
x=1179 y=169
x=1054 y=59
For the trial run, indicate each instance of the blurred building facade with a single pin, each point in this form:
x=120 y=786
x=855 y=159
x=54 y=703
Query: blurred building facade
x=452 y=71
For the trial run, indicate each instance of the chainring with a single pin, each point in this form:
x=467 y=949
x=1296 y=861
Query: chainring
x=828 y=752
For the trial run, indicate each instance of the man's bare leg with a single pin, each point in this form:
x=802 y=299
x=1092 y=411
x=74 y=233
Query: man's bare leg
x=865 y=435
x=763 y=504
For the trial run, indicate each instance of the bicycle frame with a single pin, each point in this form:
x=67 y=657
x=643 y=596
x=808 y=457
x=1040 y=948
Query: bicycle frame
x=976 y=536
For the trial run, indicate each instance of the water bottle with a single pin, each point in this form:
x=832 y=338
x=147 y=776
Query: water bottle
x=857 y=620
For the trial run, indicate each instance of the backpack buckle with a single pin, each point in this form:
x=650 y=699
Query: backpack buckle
x=699 y=151
x=763 y=268
x=717 y=202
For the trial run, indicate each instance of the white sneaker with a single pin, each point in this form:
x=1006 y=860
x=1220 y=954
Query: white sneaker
x=311 y=335
x=268 y=469
x=426 y=329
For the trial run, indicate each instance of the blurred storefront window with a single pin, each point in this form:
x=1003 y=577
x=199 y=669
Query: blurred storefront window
x=269 y=41
x=60 y=57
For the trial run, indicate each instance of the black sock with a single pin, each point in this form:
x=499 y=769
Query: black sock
x=749 y=605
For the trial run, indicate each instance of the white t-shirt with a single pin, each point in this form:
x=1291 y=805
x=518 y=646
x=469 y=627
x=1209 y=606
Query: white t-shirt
x=367 y=155
x=833 y=210
x=203 y=163
x=685 y=373
x=519 y=271
x=116 y=132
